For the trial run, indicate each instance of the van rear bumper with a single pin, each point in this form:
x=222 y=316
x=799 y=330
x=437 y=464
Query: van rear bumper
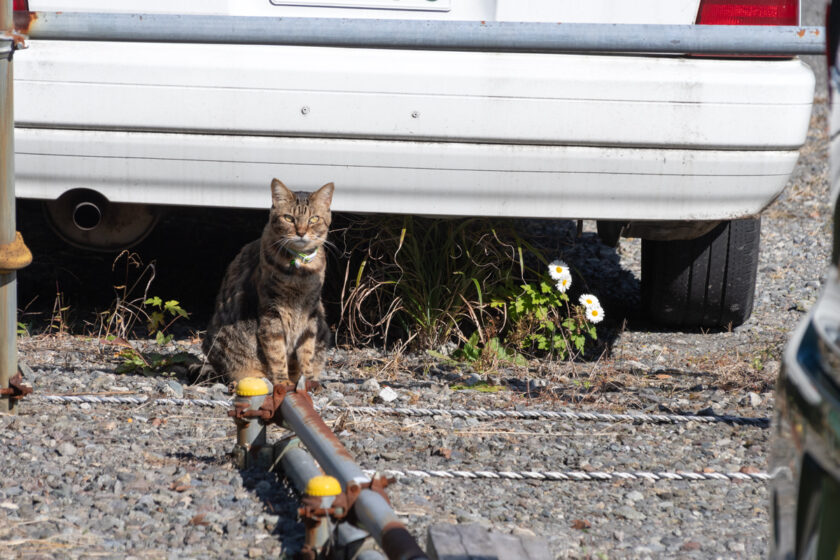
x=435 y=178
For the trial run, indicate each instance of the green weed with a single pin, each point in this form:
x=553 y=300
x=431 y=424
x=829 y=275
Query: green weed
x=428 y=282
x=487 y=356
x=152 y=363
x=480 y=387
x=543 y=320
x=161 y=317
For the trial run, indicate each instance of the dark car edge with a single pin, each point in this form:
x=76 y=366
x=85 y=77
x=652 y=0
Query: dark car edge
x=805 y=457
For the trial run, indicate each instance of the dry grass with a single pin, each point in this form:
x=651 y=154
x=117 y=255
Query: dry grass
x=423 y=281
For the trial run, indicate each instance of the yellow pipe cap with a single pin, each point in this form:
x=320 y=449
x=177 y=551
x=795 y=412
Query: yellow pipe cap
x=323 y=486
x=251 y=387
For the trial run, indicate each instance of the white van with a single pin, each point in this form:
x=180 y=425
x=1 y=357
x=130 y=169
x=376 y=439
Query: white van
x=682 y=151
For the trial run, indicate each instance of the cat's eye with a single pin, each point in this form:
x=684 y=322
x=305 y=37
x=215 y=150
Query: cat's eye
x=289 y=218
x=314 y=219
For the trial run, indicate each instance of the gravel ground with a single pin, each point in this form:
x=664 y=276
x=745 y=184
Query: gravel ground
x=148 y=481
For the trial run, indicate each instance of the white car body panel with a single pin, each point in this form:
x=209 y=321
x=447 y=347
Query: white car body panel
x=441 y=96
x=449 y=133
x=418 y=177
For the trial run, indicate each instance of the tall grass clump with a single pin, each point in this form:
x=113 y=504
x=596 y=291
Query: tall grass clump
x=428 y=282
x=424 y=281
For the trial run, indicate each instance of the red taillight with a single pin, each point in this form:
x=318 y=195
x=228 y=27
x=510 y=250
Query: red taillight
x=748 y=12
x=21 y=5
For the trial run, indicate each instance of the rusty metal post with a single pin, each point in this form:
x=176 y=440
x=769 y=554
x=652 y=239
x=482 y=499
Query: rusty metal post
x=251 y=449
x=372 y=509
x=8 y=284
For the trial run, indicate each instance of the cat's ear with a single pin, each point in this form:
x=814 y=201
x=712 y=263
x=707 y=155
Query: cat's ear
x=324 y=195
x=280 y=194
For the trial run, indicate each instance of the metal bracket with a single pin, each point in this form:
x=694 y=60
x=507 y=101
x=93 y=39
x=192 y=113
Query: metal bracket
x=16 y=390
x=11 y=41
x=14 y=255
x=269 y=411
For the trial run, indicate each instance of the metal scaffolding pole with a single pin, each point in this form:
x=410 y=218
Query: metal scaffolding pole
x=8 y=284
x=371 y=509
x=300 y=467
x=14 y=254
x=498 y=36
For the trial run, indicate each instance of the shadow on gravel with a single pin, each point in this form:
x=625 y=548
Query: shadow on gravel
x=279 y=499
x=282 y=502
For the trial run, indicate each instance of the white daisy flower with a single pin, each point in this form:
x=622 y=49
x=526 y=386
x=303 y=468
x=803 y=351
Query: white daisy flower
x=594 y=314
x=557 y=269
x=588 y=300
x=564 y=282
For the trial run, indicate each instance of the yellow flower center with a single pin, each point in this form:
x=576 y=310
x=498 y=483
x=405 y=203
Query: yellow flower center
x=559 y=269
x=594 y=312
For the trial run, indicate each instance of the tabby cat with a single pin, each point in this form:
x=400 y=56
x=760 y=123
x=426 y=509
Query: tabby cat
x=269 y=320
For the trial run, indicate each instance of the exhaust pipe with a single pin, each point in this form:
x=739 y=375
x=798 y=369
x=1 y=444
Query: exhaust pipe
x=85 y=218
x=87 y=215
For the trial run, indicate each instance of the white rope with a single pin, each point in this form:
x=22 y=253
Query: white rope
x=537 y=414
x=575 y=475
x=128 y=399
x=481 y=414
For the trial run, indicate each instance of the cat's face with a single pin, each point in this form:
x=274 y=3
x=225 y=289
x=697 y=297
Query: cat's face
x=300 y=220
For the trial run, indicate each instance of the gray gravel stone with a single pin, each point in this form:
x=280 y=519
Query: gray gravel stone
x=371 y=386
x=176 y=388
x=148 y=481
x=66 y=449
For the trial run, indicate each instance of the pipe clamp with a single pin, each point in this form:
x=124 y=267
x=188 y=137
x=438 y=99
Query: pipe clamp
x=14 y=255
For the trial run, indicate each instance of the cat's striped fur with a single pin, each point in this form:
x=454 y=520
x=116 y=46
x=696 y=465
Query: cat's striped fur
x=269 y=320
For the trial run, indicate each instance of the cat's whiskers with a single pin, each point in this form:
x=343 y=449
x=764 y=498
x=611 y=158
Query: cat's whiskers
x=332 y=247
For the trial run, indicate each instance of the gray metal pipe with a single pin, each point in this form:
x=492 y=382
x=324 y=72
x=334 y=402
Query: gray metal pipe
x=8 y=284
x=300 y=467
x=503 y=36
x=372 y=510
x=297 y=463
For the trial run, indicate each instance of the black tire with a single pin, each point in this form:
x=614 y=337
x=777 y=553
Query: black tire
x=703 y=282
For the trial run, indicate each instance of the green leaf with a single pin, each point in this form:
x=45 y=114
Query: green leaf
x=156 y=319
x=162 y=339
x=478 y=289
x=497 y=303
x=126 y=368
x=155 y=301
